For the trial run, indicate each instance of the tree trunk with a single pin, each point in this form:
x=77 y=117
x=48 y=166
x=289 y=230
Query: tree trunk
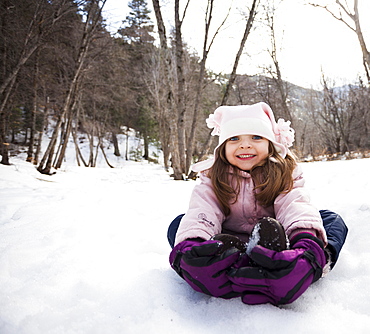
x=46 y=161
x=166 y=154
x=365 y=52
x=30 y=153
x=96 y=152
x=181 y=109
x=200 y=83
x=40 y=134
x=115 y=144
x=4 y=144
x=105 y=156
x=64 y=142
x=127 y=147
x=146 y=146
x=199 y=89
x=78 y=151
x=169 y=104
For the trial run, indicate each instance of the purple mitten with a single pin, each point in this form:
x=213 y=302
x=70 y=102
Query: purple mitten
x=203 y=266
x=281 y=277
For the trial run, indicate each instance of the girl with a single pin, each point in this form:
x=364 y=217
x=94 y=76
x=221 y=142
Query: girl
x=252 y=175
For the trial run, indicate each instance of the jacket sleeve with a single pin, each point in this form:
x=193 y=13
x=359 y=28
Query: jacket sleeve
x=295 y=212
x=204 y=217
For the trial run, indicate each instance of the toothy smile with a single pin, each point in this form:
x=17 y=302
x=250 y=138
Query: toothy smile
x=245 y=156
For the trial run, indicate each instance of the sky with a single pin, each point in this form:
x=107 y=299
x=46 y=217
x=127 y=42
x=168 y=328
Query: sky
x=310 y=41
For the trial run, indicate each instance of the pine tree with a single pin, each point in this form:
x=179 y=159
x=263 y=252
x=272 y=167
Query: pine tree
x=137 y=41
x=137 y=27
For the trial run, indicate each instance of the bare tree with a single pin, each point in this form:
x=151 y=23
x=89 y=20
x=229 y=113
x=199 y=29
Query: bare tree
x=92 y=19
x=275 y=73
x=248 y=27
x=233 y=75
x=154 y=83
x=169 y=105
x=201 y=78
x=351 y=18
x=30 y=154
x=335 y=122
x=38 y=26
x=358 y=105
x=180 y=96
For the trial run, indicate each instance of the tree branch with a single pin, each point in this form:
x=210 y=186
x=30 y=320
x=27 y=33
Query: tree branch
x=335 y=16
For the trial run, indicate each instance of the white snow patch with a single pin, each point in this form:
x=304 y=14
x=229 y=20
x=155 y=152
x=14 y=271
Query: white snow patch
x=85 y=251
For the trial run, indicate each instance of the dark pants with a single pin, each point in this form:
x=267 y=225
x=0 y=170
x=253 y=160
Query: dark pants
x=336 y=231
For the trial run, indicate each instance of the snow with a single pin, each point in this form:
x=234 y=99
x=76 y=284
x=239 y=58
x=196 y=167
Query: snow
x=85 y=251
x=254 y=239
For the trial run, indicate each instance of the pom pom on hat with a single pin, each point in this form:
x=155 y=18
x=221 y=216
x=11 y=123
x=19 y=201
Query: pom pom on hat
x=285 y=133
x=212 y=123
x=257 y=119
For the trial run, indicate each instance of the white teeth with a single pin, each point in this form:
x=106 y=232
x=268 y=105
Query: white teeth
x=245 y=155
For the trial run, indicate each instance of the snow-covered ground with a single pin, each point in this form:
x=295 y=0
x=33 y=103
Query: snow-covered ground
x=85 y=251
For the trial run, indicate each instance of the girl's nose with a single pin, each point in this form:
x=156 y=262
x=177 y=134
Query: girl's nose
x=245 y=143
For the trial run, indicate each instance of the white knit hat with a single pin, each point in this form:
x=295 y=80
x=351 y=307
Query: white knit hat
x=257 y=119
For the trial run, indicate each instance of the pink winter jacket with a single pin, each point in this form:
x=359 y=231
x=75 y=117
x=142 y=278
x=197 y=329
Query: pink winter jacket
x=205 y=218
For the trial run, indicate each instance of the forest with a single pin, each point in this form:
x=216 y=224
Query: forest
x=62 y=69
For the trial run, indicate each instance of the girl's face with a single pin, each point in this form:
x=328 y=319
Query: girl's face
x=245 y=151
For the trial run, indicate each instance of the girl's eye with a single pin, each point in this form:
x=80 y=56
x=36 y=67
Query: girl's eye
x=234 y=138
x=255 y=137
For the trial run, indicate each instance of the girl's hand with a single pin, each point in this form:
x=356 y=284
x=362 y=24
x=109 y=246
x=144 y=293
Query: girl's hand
x=203 y=265
x=280 y=277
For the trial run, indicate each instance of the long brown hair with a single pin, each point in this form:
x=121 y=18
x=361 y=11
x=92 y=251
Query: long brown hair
x=271 y=178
